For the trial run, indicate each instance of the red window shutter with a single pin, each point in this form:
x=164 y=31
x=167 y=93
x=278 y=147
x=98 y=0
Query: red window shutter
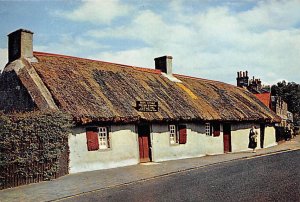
x=216 y=128
x=216 y=133
x=182 y=134
x=92 y=140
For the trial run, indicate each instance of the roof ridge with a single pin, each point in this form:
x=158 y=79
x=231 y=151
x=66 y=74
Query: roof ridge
x=144 y=69
x=198 y=78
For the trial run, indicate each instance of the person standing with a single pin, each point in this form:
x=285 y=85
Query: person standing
x=253 y=139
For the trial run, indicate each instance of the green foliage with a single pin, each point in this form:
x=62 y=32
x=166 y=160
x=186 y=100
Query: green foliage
x=32 y=138
x=290 y=93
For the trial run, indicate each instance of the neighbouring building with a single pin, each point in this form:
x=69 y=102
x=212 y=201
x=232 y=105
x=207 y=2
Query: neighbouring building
x=280 y=107
x=253 y=85
x=125 y=114
x=263 y=93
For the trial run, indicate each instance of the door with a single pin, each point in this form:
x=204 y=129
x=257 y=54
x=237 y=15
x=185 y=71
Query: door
x=227 y=137
x=262 y=135
x=144 y=143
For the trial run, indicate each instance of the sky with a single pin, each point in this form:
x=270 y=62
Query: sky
x=210 y=39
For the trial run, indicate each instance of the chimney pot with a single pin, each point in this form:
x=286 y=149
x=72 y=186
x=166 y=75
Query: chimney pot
x=164 y=64
x=20 y=44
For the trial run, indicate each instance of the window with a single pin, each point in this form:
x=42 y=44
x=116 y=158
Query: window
x=212 y=129
x=178 y=134
x=173 y=134
x=207 y=129
x=103 y=143
x=97 y=138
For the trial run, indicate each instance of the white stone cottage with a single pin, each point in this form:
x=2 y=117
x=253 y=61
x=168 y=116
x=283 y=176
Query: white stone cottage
x=126 y=114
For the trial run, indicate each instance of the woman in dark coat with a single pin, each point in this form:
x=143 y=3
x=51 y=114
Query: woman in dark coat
x=252 y=139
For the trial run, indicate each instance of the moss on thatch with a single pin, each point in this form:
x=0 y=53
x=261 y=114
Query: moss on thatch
x=101 y=91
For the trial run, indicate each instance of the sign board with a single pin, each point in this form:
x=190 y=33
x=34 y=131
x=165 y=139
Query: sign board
x=147 y=106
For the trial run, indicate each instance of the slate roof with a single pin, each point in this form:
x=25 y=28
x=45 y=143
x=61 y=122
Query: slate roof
x=264 y=98
x=101 y=91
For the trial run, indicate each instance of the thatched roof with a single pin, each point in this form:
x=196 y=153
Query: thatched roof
x=101 y=91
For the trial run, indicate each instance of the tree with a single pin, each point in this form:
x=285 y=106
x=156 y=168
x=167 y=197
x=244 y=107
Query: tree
x=290 y=93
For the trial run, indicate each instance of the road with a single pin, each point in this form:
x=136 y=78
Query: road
x=269 y=178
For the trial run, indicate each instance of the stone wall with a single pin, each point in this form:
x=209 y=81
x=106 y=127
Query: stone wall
x=13 y=95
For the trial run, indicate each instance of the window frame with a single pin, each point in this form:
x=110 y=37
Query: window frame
x=173 y=134
x=208 y=129
x=103 y=135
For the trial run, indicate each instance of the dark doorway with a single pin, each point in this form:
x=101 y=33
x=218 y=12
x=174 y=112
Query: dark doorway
x=262 y=135
x=227 y=137
x=144 y=143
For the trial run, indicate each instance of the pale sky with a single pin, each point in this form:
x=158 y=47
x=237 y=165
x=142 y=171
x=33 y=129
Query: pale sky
x=210 y=39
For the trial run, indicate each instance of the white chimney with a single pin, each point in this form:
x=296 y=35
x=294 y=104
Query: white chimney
x=164 y=64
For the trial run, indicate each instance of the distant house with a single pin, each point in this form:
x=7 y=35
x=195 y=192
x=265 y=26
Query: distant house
x=125 y=114
x=253 y=85
x=280 y=107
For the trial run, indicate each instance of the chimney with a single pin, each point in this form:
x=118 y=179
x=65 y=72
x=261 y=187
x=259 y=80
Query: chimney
x=20 y=45
x=242 y=79
x=164 y=64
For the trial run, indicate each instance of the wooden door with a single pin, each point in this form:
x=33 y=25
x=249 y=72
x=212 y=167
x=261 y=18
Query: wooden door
x=144 y=143
x=227 y=137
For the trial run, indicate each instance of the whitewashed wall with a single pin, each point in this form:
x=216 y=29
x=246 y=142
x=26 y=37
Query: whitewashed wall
x=123 y=150
x=198 y=144
x=240 y=136
x=270 y=137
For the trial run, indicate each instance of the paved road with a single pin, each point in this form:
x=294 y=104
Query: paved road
x=268 y=178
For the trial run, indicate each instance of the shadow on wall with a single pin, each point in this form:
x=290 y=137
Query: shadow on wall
x=244 y=126
x=115 y=128
x=164 y=128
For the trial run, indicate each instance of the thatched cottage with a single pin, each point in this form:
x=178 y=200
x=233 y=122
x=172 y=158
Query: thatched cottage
x=126 y=114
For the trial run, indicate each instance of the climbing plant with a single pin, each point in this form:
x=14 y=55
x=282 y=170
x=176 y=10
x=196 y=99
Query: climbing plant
x=32 y=144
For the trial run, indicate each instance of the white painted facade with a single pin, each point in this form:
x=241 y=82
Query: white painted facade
x=198 y=143
x=270 y=137
x=123 y=150
x=240 y=136
x=124 y=145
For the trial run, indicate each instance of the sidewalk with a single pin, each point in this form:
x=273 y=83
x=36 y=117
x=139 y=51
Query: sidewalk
x=74 y=184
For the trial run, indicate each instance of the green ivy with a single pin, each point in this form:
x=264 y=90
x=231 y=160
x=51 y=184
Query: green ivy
x=33 y=138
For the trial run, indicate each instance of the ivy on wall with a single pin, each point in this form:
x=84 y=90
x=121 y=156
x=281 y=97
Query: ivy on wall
x=33 y=143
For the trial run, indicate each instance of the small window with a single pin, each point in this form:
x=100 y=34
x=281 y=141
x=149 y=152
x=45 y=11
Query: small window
x=178 y=134
x=207 y=129
x=97 y=138
x=103 y=138
x=173 y=134
x=212 y=129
